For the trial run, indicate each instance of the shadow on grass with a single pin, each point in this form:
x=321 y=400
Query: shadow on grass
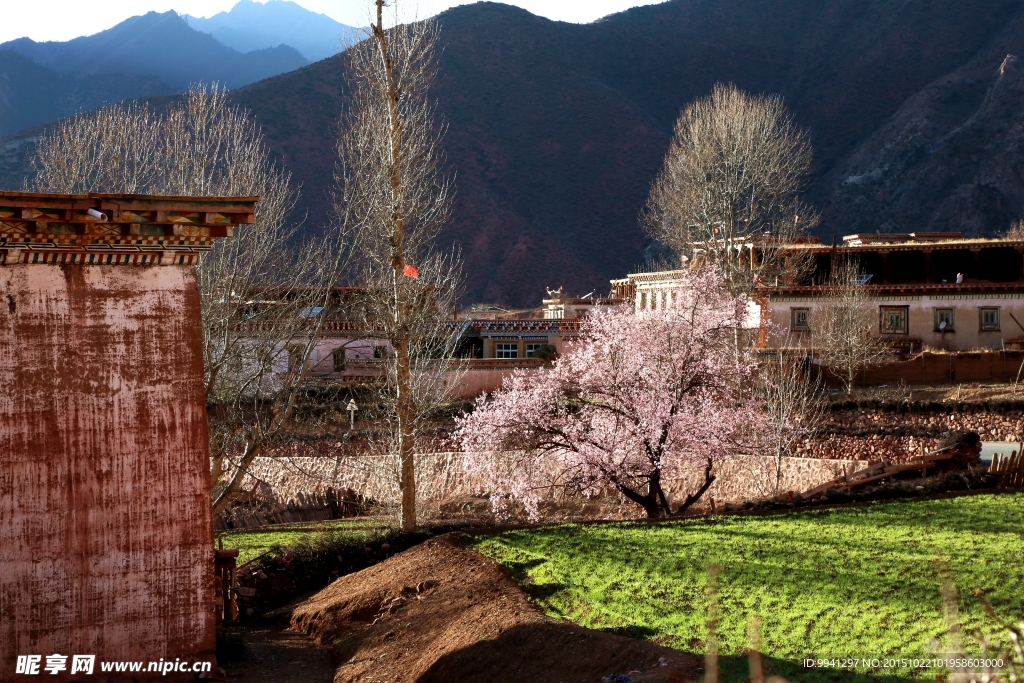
x=554 y=652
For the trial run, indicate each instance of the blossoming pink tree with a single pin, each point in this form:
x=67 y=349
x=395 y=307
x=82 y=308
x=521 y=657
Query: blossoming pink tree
x=626 y=408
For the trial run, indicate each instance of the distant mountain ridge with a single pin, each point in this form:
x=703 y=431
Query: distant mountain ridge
x=30 y=93
x=252 y=26
x=556 y=130
x=163 y=46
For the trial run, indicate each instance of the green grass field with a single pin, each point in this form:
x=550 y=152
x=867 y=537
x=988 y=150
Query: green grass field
x=254 y=542
x=857 y=582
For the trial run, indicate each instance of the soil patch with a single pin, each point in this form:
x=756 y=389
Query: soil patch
x=439 y=613
x=266 y=653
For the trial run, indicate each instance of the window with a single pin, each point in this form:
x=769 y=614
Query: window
x=944 y=320
x=989 y=318
x=339 y=359
x=506 y=350
x=643 y=301
x=380 y=352
x=799 y=319
x=532 y=349
x=893 y=319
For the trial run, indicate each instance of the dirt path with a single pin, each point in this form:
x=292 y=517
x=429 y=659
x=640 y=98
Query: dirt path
x=274 y=655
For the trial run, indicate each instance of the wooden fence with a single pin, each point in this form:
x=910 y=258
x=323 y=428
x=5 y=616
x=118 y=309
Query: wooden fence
x=1010 y=469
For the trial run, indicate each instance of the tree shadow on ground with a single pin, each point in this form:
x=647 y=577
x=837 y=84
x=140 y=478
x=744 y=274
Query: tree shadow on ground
x=553 y=652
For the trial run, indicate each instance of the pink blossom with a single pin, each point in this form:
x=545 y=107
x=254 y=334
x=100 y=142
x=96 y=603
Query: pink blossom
x=637 y=399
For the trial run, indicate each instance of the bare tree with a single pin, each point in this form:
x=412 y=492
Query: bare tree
x=845 y=326
x=793 y=404
x=258 y=292
x=732 y=177
x=392 y=199
x=113 y=149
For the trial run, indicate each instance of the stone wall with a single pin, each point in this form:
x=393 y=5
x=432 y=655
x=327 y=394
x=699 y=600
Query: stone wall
x=743 y=478
x=440 y=477
x=898 y=432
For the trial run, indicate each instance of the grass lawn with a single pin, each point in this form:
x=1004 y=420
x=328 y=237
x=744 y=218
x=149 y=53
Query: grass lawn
x=254 y=542
x=857 y=582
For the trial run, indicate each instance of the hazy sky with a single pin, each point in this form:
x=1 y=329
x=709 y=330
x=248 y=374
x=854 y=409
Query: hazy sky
x=66 y=19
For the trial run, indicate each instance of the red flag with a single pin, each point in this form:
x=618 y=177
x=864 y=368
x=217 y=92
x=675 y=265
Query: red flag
x=411 y=271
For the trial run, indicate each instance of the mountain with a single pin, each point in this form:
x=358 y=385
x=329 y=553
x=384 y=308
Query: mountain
x=30 y=93
x=556 y=130
x=254 y=25
x=162 y=46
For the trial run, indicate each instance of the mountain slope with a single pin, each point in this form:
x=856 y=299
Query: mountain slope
x=30 y=93
x=951 y=157
x=163 y=46
x=556 y=130
x=254 y=25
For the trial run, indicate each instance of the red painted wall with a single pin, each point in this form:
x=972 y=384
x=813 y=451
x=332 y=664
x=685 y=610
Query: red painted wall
x=105 y=525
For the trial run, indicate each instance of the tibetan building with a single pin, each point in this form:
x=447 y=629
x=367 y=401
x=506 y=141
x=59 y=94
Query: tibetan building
x=106 y=538
x=929 y=289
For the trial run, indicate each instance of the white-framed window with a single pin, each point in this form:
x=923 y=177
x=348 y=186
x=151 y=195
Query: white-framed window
x=945 y=319
x=988 y=318
x=531 y=349
x=338 y=357
x=799 y=319
x=506 y=350
x=893 y=319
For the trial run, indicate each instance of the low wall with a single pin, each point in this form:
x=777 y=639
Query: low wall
x=898 y=432
x=947 y=368
x=282 y=480
x=487 y=374
x=741 y=478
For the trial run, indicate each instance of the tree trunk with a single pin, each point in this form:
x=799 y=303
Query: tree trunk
x=231 y=491
x=406 y=439
x=695 y=496
x=654 y=502
x=405 y=408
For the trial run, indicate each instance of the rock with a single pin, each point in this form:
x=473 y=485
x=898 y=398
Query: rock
x=424 y=586
x=246 y=592
x=385 y=547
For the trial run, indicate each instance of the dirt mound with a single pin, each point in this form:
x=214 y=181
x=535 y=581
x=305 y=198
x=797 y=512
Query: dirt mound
x=441 y=613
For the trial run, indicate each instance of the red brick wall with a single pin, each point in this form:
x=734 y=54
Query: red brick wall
x=105 y=524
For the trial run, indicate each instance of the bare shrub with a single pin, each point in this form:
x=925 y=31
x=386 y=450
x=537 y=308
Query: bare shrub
x=844 y=327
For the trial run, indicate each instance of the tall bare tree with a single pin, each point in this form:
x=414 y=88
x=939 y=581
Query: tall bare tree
x=844 y=328
x=393 y=197
x=258 y=291
x=732 y=176
x=792 y=404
